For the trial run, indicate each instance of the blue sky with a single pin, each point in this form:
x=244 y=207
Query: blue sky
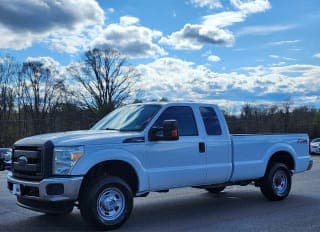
x=229 y=52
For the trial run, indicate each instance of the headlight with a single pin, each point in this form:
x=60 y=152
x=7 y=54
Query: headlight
x=65 y=158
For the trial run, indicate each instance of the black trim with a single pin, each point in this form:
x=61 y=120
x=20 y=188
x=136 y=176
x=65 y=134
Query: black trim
x=39 y=164
x=202 y=147
x=44 y=206
x=48 y=158
x=134 y=140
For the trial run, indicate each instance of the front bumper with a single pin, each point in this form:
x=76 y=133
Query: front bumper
x=53 y=189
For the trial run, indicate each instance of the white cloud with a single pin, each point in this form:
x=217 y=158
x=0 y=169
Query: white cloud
x=47 y=61
x=111 y=10
x=194 y=37
x=130 y=38
x=281 y=57
x=288 y=58
x=264 y=30
x=22 y=23
x=213 y=28
x=214 y=58
x=305 y=69
x=274 y=56
x=223 y=19
x=250 y=7
x=128 y=20
x=181 y=80
x=72 y=42
x=211 y=4
x=283 y=42
x=317 y=55
x=174 y=14
x=16 y=41
x=58 y=71
x=295 y=49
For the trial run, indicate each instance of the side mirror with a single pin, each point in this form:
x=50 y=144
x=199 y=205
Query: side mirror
x=168 y=132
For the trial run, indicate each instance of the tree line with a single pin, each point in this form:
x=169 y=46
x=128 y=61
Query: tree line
x=282 y=118
x=36 y=97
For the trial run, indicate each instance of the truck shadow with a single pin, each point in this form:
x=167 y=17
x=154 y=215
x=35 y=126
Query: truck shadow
x=202 y=211
x=179 y=212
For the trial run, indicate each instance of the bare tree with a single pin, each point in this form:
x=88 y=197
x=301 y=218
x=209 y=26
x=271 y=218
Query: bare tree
x=286 y=114
x=106 y=79
x=8 y=71
x=41 y=93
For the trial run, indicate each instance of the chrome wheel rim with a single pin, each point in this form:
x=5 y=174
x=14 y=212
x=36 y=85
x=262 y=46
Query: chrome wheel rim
x=110 y=204
x=280 y=182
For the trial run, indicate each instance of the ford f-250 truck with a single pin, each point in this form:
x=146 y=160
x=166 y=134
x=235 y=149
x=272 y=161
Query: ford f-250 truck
x=140 y=148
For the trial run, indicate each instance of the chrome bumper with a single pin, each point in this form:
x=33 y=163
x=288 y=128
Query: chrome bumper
x=71 y=188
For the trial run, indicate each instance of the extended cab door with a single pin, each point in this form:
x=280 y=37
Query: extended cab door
x=218 y=145
x=176 y=163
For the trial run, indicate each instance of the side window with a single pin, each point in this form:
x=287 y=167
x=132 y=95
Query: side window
x=185 y=118
x=210 y=121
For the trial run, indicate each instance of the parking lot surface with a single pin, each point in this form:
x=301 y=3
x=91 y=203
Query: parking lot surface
x=236 y=209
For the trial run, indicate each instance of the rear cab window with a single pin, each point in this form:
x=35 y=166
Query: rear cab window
x=210 y=121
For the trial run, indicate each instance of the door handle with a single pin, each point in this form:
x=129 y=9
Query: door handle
x=202 y=147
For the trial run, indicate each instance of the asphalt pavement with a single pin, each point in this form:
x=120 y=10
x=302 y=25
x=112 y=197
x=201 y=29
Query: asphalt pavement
x=236 y=209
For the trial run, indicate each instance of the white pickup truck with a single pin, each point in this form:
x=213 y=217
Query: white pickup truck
x=141 y=148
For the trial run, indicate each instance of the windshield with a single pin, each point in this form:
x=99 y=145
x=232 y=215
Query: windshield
x=316 y=140
x=128 y=118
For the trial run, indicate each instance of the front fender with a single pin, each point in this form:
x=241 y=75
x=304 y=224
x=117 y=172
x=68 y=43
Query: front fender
x=95 y=156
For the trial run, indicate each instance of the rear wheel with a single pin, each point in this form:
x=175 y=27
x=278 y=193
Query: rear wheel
x=276 y=184
x=107 y=203
x=215 y=190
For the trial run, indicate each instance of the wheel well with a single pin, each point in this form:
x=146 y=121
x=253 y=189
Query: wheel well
x=114 y=168
x=282 y=157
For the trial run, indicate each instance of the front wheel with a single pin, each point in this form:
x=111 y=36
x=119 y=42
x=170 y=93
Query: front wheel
x=276 y=184
x=107 y=203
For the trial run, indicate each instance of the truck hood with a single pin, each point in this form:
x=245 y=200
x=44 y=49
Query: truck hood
x=82 y=137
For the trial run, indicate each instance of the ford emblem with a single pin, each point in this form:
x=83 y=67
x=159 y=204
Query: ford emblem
x=22 y=160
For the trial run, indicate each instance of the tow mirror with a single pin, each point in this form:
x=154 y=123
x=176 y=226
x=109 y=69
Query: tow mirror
x=168 y=132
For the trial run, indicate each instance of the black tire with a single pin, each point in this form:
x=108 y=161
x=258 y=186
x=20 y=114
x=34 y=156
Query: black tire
x=215 y=190
x=276 y=184
x=101 y=196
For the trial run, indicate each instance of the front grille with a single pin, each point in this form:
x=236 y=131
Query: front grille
x=32 y=162
x=27 y=162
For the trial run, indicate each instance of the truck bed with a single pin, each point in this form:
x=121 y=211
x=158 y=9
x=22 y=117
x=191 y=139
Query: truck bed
x=252 y=151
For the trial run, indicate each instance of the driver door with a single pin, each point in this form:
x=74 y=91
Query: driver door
x=179 y=162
